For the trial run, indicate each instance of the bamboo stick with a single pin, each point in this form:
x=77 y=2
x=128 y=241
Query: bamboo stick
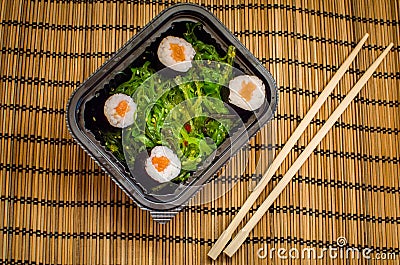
x=217 y=248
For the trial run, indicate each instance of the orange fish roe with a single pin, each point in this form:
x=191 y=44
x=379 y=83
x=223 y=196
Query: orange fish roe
x=178 y=52
x=122 y=108
x=247 y=90
x=160 y=162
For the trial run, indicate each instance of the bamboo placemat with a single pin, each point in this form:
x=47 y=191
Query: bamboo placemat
x=58 y=207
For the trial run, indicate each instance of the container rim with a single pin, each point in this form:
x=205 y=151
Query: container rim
x=106 y=163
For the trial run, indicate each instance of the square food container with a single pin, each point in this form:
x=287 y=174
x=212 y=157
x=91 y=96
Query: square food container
x=167 y=22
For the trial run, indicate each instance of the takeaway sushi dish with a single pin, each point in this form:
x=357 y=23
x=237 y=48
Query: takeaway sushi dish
x=174 y=161
x=137 y=160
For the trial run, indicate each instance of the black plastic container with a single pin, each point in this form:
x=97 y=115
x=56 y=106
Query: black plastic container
x=131 y=52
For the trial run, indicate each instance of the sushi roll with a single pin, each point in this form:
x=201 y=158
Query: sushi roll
x=247 y=92
x=120 y=110
x=163 y=164
x=176 y=53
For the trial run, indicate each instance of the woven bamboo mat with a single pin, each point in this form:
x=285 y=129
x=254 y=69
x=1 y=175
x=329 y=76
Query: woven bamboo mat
x=58 y=207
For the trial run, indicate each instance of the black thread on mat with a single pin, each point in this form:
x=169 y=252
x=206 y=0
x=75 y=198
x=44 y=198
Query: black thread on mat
x=30 y=108
x=160 y=2
x=39 y=81
x=337 y=184
x=42 y=170
x=298 y=210
x=40 y=53
x=50 y=26
x=57 y=203
x=338 y=124
x=370 y=47
x=13 y=261
x=178 y=239
x=340 y=97
x=101 y=235
x=330 y=68
x=334 y=153
x=28 y=138
x=292 y=8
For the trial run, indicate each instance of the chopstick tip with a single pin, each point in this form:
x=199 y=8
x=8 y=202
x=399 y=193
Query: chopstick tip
x=387 y=49
x=364 y=39
x=213 y=255
x=219 y=245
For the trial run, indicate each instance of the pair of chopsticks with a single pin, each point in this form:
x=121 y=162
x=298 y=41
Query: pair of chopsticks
x=263 y=208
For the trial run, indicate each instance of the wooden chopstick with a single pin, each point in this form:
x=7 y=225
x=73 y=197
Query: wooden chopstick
x=226 y=235
x=244 y=232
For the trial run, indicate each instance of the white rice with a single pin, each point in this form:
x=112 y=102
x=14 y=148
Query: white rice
x=170 y=172
x=257 y=96
x=110 y=111
x=165 y=52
